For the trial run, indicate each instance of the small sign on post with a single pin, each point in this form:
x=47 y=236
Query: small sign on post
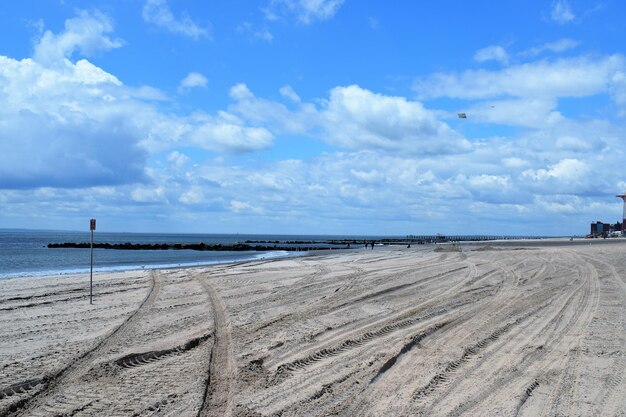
x=92 y=227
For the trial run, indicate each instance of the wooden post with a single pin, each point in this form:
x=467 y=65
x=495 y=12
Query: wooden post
x=92 y=227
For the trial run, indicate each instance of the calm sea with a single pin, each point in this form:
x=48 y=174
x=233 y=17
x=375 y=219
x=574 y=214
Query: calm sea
x=24 y=253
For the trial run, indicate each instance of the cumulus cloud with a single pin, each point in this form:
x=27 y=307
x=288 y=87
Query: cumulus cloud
x=562 y=12
x=305 y=11
x=85 y=33
x=192 y=80
x=158 y=13
x=356 y=118
x=69 y=125
x=567 y=176
x=273 y=115
x=570 y=170
x=177 y=159
x=193 y=195
x=88 y=139
x=224 y=136
x=492 y=53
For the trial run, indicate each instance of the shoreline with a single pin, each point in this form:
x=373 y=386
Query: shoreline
x=138 y=267
x=280 y=254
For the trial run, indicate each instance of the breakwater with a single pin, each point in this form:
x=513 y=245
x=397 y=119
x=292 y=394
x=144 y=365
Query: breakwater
x=285 y=245
x=238 y=247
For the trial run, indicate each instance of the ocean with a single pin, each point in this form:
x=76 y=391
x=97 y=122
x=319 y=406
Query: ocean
x=25 y=252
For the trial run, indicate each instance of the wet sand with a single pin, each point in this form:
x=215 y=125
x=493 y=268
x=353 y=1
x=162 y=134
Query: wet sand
x=515 y=329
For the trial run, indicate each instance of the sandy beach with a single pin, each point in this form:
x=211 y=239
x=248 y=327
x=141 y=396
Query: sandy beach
x=513 y=329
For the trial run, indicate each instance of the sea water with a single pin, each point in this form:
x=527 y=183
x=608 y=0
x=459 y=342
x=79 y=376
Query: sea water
x=25 y=252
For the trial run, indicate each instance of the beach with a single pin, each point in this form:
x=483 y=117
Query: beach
x=485 y=329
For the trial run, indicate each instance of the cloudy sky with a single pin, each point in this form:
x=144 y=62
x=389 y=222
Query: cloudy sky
x=313 y=116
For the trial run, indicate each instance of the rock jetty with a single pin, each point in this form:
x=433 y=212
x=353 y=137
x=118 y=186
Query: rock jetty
x=237 y=247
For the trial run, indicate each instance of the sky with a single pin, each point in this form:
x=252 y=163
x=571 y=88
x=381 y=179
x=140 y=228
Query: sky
x=313 y=116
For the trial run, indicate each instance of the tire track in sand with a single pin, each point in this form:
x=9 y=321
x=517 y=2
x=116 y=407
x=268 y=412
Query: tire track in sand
x=219 y=393
x=53 y=383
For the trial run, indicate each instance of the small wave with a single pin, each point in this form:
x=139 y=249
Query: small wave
x=165 y=265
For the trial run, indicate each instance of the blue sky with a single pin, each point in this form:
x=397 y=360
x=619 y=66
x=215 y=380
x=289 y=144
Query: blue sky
x=312 y=116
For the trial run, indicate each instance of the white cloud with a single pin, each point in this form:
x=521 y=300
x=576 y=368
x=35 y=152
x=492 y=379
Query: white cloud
x=489 y=181
x=305 y=11
x=356 y=118
x=273 y=115
x=528 y=112
x=353 y=118
x=262 y=34
x=148 y=194
x=558 y=207
x=89 y=139
x=222 y=135
x=572 y=77
x=372 y=176
x=158 y=13
x=271 y=181
x=492 y=53
x=95 y=130
x=359 y=185
x=193 y=80
x=194 y=195
x=567 y=172
x=562 y=12
x=558 y=46
x=515 y=163
x=177 y=159
x=242 y=206
x=84 y=33
x=496 y=180
x=288 y=92
x=240 y=92
x=575 y=144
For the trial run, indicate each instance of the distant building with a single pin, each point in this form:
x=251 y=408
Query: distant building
x=600 y=229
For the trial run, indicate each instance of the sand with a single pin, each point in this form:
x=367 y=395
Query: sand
x=480 y=330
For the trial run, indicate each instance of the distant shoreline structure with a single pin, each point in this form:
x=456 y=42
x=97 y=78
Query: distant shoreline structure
x=179 y=246
x=292 y=245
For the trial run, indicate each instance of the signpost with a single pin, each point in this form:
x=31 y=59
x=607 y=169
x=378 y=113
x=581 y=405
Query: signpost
x=92 y=227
